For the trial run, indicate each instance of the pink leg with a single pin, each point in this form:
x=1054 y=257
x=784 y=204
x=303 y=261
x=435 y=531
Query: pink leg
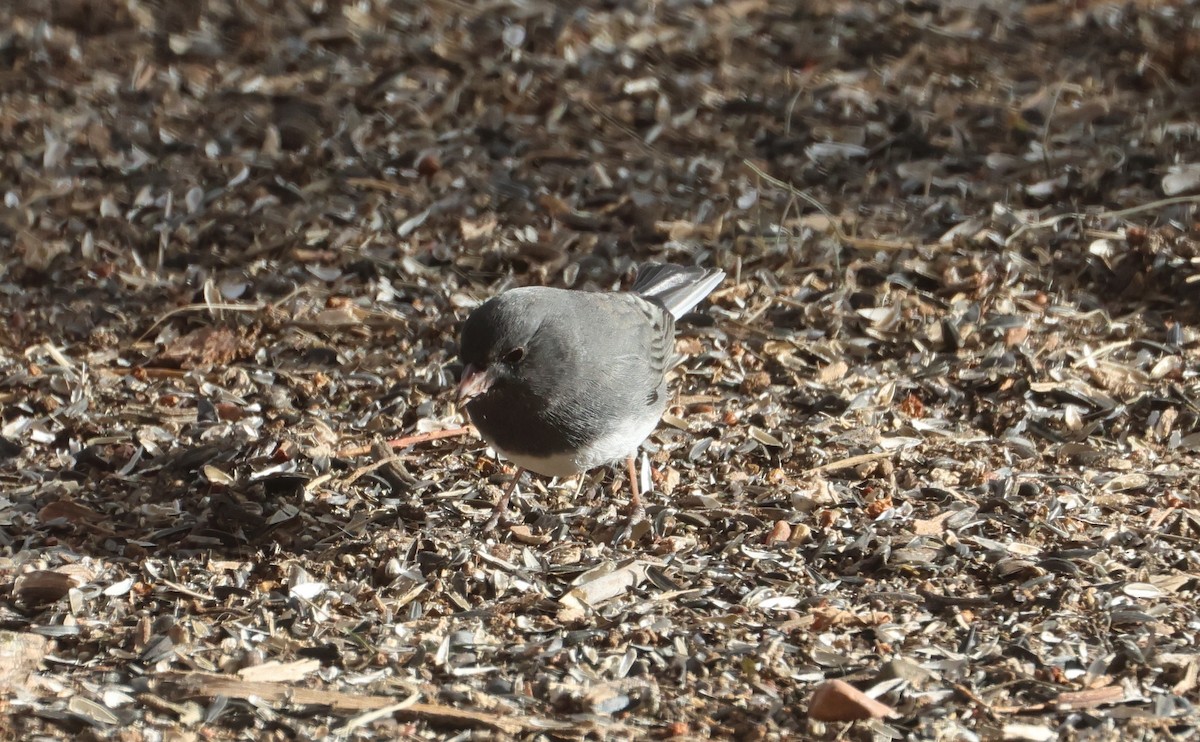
x=637 y=510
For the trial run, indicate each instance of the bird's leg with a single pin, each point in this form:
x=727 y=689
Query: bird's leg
x=637 y=511
x=498 y=514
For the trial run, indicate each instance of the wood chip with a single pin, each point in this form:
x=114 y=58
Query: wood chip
x=837 y=700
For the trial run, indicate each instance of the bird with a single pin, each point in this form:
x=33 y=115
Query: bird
x=561 y=381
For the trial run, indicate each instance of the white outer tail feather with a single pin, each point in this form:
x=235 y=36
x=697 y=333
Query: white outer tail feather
x=678 y=288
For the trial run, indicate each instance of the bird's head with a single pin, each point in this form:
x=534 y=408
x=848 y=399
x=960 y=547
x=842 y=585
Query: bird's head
x=506 y=343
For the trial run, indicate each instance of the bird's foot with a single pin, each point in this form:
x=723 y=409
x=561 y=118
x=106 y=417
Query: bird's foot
x=500 y=512
x=634 y=528
x=498 y=518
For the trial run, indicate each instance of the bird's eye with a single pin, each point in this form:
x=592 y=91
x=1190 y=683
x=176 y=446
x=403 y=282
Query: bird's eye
x=514 y=356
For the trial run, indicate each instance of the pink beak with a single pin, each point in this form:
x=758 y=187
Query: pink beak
x=474 y=382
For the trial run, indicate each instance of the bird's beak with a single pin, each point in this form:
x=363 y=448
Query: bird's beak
x=475 y=381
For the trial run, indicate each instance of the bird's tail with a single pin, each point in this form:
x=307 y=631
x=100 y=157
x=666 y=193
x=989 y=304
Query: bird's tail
x=678 y=288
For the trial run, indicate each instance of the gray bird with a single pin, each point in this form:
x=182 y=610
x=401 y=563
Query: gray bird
x=560 y=381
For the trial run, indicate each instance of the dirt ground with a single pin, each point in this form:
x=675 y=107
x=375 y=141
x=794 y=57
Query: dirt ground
x=936 y=436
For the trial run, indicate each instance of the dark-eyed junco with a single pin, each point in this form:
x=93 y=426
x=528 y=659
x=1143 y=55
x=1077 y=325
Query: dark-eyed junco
x=561 y=381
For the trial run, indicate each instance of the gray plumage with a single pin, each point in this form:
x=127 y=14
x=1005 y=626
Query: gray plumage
x=562 y=381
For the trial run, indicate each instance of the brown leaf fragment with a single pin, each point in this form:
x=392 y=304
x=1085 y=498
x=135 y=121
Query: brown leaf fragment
x=755 y=382
x=525 y=535
x=878 y=506
x=230 y=412
x=42 y=586
x=837 y=700
x=20 y=655
x=1171 y=583
x=912 y=406
x=428 y=164
x=1014 y=336
x=72 y=512
x=800 y=533
x=1164 y=424
x=205 y=346
x=553 y=205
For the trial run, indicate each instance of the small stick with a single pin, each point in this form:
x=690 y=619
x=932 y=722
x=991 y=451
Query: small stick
x=368 y=468
x=974 y=698
x=406 y=441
